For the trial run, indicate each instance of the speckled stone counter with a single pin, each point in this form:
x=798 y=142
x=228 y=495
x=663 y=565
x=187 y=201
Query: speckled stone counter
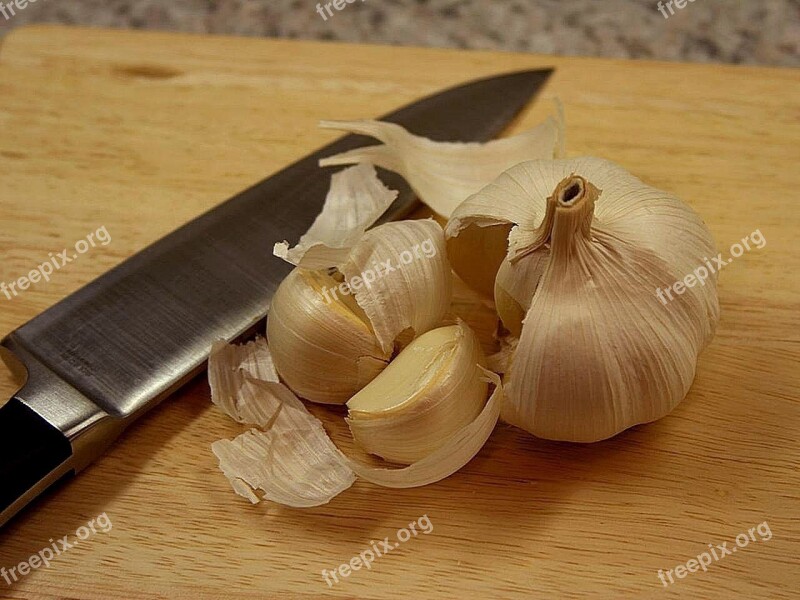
x=763 y=32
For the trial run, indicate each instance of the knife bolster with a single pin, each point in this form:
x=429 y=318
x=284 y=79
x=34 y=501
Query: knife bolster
x=48 y=431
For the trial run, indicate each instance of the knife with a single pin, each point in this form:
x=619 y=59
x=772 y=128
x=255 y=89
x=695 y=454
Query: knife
x=102 y=357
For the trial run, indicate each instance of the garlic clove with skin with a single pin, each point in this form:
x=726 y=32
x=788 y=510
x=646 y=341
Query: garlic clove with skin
x=331 y=334
x=401 y=278
x=323 y=344
x=431 y=390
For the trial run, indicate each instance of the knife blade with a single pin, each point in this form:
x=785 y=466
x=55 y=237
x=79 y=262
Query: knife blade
x=99 y=359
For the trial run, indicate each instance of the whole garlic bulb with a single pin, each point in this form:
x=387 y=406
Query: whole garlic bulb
x=590 y=246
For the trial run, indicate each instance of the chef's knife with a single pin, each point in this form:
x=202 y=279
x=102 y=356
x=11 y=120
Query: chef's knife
x=103 y=356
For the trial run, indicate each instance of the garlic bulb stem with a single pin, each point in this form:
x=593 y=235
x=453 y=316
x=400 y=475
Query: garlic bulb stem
x=569 y=210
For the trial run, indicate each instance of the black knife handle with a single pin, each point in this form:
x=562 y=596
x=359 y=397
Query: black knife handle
x=30 y=450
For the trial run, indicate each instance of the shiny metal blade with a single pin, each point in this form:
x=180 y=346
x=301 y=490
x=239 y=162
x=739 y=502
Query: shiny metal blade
x=144 y=328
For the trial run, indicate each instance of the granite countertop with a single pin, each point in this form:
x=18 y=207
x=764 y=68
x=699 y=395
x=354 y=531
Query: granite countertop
x=765 y=32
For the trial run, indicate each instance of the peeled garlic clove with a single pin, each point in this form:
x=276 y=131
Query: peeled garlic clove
x=432 y=389
x=323 y=344
x=356 y=199
x=455 y=452
x=401 y=278
x=590 y=246
x=443 y=174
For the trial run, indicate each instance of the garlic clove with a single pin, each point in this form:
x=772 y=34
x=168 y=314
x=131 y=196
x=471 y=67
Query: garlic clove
x=515 y=286
x=322 y=342
x=432 y=389
x=356 y=199
x=500 y=214
x=443 y=174
x=401 y=278
x=454 y=452
x=477 y=253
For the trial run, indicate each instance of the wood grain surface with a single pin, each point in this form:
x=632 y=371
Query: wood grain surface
x=139 y=132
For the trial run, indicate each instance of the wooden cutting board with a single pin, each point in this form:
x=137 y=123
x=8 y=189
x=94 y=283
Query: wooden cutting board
x=139 y=132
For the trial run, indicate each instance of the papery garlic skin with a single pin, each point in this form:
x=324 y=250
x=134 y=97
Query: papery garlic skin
x=432 y=389
x=412 y=284
x=323 y=345
x=591 y=244
x=355 y=200
x=443 y=174
x=290 y=459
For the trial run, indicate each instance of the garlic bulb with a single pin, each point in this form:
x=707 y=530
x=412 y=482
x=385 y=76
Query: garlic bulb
x=323 y=344
x=443 y=174
x=589 y=248
x=432 y=389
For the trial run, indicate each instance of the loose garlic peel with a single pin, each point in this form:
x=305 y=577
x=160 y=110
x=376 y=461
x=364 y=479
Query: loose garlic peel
x=431 y=390
x=324 y=349
x=416 y=295
x=597 y=351
x=356 y=199
x=292 y=461
x=443 y=174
